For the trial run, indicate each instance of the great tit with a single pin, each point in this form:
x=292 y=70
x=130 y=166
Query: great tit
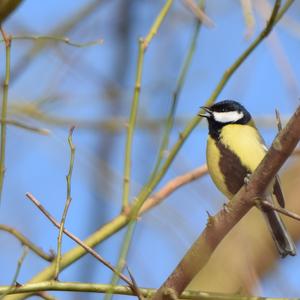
x=234 y=150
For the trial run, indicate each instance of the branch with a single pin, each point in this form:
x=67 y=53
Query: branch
x=219 y=225
x=121 y=290
x=67 y=204
x=54 y=38
x=38 y=251
x=143 y=45
x=247 y=8
x=25 y=126
x=16 y=275
x=199 y=13
x=7 y=42
x=172 y=186
x=281 y=210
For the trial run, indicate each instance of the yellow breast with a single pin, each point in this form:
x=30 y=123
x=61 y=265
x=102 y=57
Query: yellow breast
x=244 y=141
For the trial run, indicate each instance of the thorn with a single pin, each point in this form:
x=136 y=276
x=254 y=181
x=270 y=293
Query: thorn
x=134 y=286
x=210 y=220
x=225 y=207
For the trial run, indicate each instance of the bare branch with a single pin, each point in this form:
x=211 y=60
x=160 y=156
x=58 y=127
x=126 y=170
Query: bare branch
x=53 y=38
x=281 y=210
x=7 y=41
x=172 y=186
x=67 y=204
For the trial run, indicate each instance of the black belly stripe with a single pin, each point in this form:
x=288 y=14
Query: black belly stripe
x=232 y=169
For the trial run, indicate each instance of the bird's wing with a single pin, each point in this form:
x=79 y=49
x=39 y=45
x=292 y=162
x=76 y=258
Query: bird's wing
x=276 y=187
x=278 y=192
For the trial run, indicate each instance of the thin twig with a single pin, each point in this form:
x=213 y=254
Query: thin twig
x=7 y=42
x=67 y=204
x=130 y=128
x=199 y=13
x=25 y=241
x=136 y=289
x=17 y=272
x=75 y=238
x=143 y=45
x=247 y=7
x=278 y=120
x=122 y=257
x=53 y=38
x=171 y=186
x=281 y=210
x=22 y=125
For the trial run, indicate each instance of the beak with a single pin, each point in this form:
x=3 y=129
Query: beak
x=207 y=112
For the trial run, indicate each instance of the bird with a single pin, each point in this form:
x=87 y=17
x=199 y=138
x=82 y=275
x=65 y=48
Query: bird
x=234 y=150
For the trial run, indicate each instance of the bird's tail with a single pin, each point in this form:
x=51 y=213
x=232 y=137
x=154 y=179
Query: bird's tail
x=281 y=237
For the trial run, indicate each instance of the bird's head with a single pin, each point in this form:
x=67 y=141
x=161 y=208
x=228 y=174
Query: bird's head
x=226 y=112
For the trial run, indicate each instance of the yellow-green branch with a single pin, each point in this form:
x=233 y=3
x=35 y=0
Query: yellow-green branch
x=143 y=45
x=121 y=290
x=4 y=108
x=53 y=38
x=67 y=204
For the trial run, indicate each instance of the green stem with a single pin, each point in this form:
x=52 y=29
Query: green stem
x=22 y=125
x=4 y=109
x=68 y=202
x=143 y=45
x=16 y=275
x=54 y=38
x=131 y=126
x=122 y=258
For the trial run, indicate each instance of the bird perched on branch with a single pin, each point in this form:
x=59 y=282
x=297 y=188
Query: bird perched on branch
x=234 y=150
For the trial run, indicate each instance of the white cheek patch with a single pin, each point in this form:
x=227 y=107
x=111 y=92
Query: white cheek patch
x=228 y=116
